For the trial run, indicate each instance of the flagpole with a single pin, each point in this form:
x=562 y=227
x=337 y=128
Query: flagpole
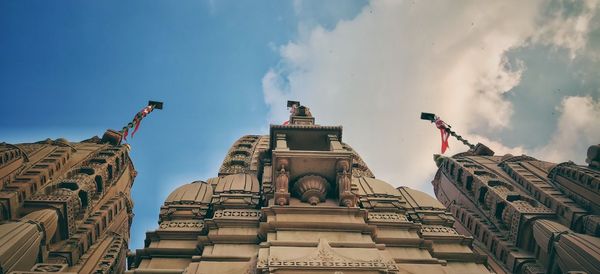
x=137 y=118
x=445 y=127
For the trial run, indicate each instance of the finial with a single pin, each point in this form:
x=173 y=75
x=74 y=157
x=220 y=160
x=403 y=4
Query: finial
x=299 y=114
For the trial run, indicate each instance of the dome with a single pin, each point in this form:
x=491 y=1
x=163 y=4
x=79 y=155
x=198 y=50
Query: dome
x=419 y=199
x=372 y=186
x=197 y=192
x=240 y=182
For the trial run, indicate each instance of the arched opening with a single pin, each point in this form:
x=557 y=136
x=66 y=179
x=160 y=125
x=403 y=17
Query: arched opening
x=99 y=184
x=69 y=185
x=118 y=163
x=469 y=185
x=87 y=170
x=482 y=192
x=110 y=172
x=499 y=208
x=84 y=198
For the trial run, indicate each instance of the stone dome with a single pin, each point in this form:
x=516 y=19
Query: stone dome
x=372 y=186
x=197 y=192
x=241 y=182
x=419 y=199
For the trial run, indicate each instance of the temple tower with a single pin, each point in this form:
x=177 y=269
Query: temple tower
x=65 y=206
x=300 y=200
x=527 y=215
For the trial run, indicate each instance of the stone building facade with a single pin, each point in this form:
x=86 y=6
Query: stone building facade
x=64 y=206
x=300 y=200
x=527 y=215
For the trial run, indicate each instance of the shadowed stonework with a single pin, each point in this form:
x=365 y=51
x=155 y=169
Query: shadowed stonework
x=299 y=200
x=65 y=207
x=528 y=215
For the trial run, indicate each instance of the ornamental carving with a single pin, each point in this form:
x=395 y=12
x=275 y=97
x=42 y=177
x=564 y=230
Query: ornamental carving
x=48 y=267
x=437 y=230
x=251 y=214
x=112 y=256
x=388 y=217
x=326 y=257
x=311 y=189
x=239 y=157
x=282 y=194
x=182 y=225
x=344 y=184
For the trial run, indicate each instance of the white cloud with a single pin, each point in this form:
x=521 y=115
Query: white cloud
x=578 y=128
x=374 y=74
x=566 y=24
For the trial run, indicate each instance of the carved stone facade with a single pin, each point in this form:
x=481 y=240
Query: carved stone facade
x=528 y=215
x=64 y=206
x=299 y=200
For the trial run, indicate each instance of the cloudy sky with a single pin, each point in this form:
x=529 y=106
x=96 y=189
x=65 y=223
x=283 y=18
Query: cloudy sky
x=519 y=76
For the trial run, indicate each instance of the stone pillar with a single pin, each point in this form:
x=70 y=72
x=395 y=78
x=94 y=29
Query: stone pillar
x=344 y=183
x=334 y=143
x=281 y=142
x=282 y=181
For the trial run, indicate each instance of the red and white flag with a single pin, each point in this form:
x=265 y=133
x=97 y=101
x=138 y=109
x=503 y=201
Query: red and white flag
x=292 y=110
x=444 y=132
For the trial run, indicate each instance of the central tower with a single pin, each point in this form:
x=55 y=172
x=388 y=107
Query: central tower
x=300 y=200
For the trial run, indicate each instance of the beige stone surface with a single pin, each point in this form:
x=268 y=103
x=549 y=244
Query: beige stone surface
x=526 y=215
x=299 y=200
x=65 y=206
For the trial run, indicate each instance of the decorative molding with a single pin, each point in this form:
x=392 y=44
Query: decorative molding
x=251 y=214
x=326 y=258
x=387 y=217
x=180 y=225
x=49 y=267
x=438 y=230
x=311 y=189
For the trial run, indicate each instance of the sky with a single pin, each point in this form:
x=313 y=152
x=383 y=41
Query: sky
x=518 y=76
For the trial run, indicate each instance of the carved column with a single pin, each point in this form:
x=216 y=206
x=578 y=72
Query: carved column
x=344 y=181
x=282 y=180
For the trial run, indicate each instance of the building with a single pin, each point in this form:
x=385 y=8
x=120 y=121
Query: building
x=300 y=200
x=65 y=207
x=527 y=215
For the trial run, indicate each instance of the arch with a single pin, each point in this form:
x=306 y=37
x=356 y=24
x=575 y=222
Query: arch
x=495 y=183
x=469 y=185
x=68 y=185
x=482 y=192
x=83 y=197
x=110 y=172
x=244 y=145
x=499 y=209
x=99 y=184
x=118 y=163
x=87 y=170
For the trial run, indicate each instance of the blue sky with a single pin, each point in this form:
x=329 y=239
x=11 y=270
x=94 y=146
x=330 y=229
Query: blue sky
x=519 y=80
x=77 y=68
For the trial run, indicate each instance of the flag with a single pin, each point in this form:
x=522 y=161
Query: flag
x=444 y=132
x=137 y=119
